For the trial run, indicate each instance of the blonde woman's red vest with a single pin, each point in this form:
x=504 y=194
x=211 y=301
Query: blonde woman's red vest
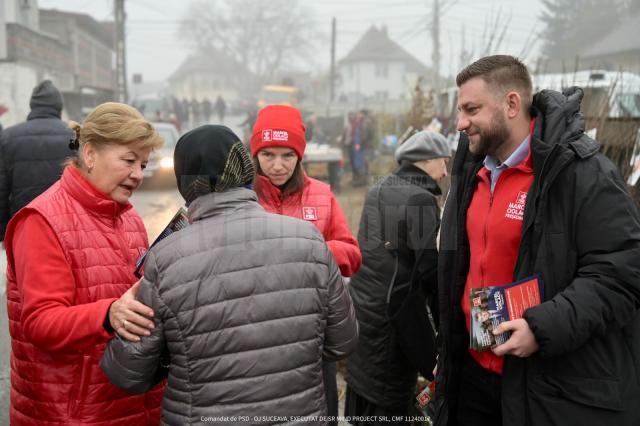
x=101 y=241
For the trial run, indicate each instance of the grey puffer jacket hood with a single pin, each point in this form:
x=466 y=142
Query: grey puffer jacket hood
x=247 y=303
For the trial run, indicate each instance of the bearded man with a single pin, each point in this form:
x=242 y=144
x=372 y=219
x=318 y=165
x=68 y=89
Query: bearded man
x=531 y=196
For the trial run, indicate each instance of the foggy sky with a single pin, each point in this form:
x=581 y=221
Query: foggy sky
x=155 y=50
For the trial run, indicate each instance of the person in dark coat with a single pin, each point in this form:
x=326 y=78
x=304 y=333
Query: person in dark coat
x=246 y=303
x=397 y=281
x=206 y=110
x=364 y=147
x=531 y=195
x=32 y=153
x=221 y=108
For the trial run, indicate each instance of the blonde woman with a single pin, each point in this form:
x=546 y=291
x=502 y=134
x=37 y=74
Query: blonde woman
x=70 y=285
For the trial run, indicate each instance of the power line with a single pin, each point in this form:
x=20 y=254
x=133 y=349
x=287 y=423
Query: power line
x=149 y=6
x=361 y=19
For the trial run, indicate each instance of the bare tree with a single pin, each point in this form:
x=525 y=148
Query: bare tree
x=265 y=36
x=492 y=39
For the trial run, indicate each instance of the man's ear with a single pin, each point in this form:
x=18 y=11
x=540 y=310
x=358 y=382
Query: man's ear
x=513 y=104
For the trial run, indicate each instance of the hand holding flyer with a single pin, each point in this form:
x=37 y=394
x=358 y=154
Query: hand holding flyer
x=493 y=305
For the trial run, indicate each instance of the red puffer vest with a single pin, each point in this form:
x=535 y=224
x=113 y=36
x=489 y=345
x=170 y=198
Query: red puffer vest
x=101 y=241
x=317 y=204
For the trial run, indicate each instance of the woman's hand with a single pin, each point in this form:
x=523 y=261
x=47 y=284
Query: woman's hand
x=130 y=318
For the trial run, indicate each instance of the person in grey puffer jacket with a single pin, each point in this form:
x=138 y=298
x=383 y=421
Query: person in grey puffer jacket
x=246 y=303
x=32 y=153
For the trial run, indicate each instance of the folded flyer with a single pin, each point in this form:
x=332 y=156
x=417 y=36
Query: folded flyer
x=178 y=222
x=493 y=305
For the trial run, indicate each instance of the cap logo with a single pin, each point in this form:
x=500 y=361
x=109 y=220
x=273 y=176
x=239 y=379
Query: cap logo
x=280 y=135
x=266 y=135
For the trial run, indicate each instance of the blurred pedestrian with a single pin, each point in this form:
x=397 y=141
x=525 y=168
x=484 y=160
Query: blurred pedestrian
x=186 y=117
x=246 y=302
x=347 y=139
x=32 y=153
x=206 y=110
x=173 y=119
x=71 y=254
x=247 y=126
x=363 y=147
x=221 y=108
x=311 y=124
x=196 y=111
x=277 y=146
x=397 y=281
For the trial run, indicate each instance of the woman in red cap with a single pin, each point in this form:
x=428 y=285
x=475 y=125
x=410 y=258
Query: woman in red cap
x=277 y=146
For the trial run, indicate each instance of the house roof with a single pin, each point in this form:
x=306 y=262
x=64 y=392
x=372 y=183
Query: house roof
x=375 y=45
x=624 y=38
x=210 y=60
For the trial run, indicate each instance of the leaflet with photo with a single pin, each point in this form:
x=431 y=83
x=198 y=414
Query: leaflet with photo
x=178 y=222
x=493 y=305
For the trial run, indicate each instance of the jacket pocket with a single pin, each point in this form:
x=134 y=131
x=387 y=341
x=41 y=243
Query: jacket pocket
x=81 y=384
x=599 y=393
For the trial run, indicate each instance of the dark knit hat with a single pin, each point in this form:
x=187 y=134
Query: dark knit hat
x=424 y=145
x=46 y=95
x=210 y=158
x=278 y=126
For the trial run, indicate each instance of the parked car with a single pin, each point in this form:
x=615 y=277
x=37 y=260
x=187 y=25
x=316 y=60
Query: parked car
x=159 y=171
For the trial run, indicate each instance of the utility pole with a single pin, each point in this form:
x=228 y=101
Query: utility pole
x=332 y=77
x=121 y=65
x=435 y=36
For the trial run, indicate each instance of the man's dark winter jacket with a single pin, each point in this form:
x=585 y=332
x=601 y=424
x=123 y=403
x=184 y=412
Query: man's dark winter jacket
x=247 y=303
x=581 y=232
x=389 y=292
x=32 y=153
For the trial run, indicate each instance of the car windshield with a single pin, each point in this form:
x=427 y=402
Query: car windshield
x=169 y=136
x=629 y=104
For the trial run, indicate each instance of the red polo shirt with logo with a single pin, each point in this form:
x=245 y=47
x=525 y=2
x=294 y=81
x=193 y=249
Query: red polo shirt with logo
x=494 y=228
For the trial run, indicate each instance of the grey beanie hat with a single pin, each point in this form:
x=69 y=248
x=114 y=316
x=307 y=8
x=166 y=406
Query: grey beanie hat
x=424 y=145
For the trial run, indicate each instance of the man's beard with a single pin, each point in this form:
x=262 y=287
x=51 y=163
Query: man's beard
x=493 y=137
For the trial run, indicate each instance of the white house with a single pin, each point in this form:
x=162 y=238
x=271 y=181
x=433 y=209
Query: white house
x=207 y=74
x=378 y=69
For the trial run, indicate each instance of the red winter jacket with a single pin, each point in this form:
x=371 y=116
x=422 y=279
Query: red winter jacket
x=71 y=253
x=316 y=204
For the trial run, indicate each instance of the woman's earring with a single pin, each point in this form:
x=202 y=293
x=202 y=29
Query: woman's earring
x=90 y=168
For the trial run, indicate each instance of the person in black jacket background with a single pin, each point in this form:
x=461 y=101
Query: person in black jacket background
x=397 y=280
x=575 y=358
x=32 y=153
